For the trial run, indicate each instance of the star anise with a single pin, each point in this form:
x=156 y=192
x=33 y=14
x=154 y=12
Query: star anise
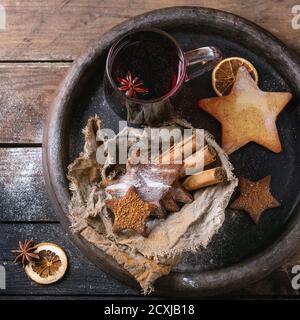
x=48 y=263
x=25 y=253
x=131 y=85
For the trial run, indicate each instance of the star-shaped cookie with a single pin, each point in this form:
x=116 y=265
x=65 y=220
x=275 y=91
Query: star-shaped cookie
x=247 y=114
x=255 y=197
x=151 y=181
x=130 y=211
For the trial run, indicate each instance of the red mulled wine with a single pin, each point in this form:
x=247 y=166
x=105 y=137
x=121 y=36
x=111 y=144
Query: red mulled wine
x=146 y=65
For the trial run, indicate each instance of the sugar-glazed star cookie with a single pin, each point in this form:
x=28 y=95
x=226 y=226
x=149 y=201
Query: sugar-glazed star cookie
x=247 y=114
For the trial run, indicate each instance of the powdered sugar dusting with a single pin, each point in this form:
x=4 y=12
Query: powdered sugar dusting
x=23 y=189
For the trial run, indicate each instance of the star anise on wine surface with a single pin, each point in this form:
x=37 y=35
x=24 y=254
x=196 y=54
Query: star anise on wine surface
x=25 y=253
x=131 y=85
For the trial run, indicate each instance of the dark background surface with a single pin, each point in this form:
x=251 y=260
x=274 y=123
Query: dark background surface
x=37 y=47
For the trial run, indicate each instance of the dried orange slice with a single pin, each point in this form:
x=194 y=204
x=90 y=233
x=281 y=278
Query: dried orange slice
x=51 y=265
x=224 y=73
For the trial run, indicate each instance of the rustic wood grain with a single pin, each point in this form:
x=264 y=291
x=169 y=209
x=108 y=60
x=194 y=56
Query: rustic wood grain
x=59 y=31
x=23 y=195
x=83 y=278
x=27 y=89
x=27 y=200
x=26 y=92
x=62 y=29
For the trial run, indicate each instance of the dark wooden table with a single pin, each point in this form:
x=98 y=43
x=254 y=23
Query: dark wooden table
x=38 y=44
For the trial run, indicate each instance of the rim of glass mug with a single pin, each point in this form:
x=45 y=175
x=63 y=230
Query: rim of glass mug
x=180 y=81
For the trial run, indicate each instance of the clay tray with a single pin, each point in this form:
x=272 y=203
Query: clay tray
x=241 y=252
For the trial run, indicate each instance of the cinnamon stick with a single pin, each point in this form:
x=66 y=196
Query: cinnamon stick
x=197 y=161
x=205 y=178
x=177 y=151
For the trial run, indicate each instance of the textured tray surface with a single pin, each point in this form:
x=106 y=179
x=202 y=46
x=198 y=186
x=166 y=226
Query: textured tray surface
x=239 y=239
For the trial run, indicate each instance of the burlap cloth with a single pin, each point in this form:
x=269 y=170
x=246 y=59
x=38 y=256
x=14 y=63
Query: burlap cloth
x=145 y=258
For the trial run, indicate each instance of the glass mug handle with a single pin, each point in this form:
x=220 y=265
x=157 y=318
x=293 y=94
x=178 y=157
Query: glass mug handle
x=200 y=60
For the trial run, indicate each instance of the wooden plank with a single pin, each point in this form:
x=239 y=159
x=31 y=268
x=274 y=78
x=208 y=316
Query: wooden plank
x=62 y=29
x=83 y=278
x=25 y=199
x=26 y=92
x=30 y=99
x=23 y=195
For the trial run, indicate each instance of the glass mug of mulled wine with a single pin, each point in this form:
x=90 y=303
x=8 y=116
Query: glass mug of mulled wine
x=146 y=69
